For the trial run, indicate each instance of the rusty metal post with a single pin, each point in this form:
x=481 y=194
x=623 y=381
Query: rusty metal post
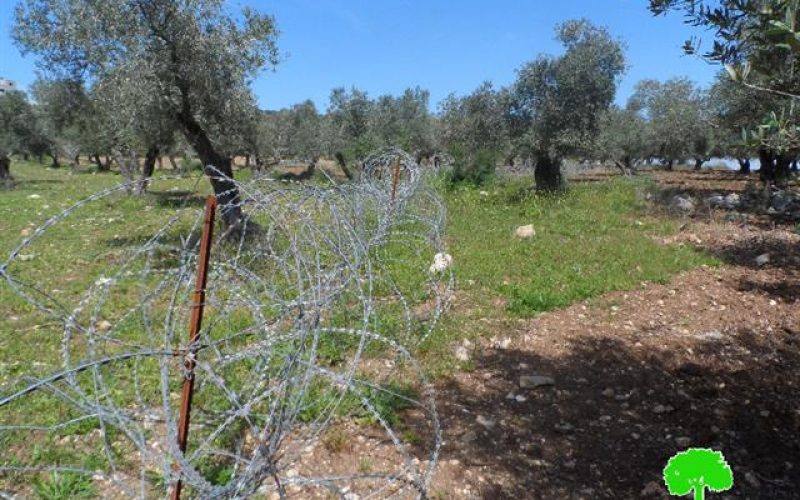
x=194 y=332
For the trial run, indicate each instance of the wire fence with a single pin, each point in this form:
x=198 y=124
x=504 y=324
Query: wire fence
x=313 y=309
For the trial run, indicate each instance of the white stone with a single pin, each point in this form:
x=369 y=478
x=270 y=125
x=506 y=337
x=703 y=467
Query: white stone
x=441 y=261
x=683 y=204
x=525 y=232
x=763 y=259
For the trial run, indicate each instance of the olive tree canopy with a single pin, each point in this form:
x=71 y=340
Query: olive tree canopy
x=16 y=132
x=404 y=121
x=474 y=123
x=738 y=109
x=20 y=128
x=192 y=59
x=557 y=101
x=623 y=137
x=679 y=117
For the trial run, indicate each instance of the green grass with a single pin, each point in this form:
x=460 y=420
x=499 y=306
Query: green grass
x=64 y=486
x=589 y=241
x=593 y=239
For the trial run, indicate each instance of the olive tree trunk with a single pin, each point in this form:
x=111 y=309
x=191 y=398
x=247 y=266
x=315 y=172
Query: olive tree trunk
x=217 y=167
x=343 y=165
x=744 y=165
x=147 y=170
x=547 y=173
x=6 y=181
x=783 y=163
x=99 y=164
x=767 y=170
x=698 y=164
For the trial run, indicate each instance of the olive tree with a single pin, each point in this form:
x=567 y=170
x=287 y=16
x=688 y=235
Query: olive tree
x=192 y=59
x=346 y=130
x=557 y=101
x=753 y=39
x=404 y=121
x=133 y=125
x=706 y=136
x=473 y=130
x=738 y=109
x=65 y=112
x=473 y=122
x=15 y=111
x=758 y=42
x=21 y=130
x=302 y=131
x=623 y=138
x=678 y=118
x=288 y=133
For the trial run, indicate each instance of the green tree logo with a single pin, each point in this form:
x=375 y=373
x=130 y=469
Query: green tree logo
x=696 y=469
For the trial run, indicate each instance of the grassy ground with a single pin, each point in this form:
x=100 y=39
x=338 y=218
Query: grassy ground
x=594 y=239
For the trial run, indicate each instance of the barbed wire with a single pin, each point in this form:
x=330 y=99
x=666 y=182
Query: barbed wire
x=313 y=309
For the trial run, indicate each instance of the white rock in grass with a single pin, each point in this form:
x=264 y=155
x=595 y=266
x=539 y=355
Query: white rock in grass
x=762 y=260
x=103 y=281
x=683 y=204
x=441 y=261
x=104 y=326
x=525 y=232
x=34 y=197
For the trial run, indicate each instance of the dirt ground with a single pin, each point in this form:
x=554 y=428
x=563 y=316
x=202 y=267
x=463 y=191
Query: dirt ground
x=591 y=401
x=711 y=359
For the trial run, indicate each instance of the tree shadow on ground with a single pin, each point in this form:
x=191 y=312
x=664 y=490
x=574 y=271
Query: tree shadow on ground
x=617 y=412
x=778 y=278
x=744 y=252
x=701 y=186
x=787 y=289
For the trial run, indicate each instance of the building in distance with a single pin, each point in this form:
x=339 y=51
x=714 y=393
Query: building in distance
x=7 y=85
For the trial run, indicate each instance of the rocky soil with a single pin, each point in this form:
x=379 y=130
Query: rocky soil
x=592 y=400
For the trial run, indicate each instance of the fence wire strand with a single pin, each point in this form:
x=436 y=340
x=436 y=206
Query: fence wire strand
x=313 y=309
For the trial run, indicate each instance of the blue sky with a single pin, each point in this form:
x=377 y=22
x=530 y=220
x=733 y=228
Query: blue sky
x=385 y=46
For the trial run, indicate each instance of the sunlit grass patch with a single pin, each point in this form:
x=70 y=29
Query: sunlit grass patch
x=593 y=239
